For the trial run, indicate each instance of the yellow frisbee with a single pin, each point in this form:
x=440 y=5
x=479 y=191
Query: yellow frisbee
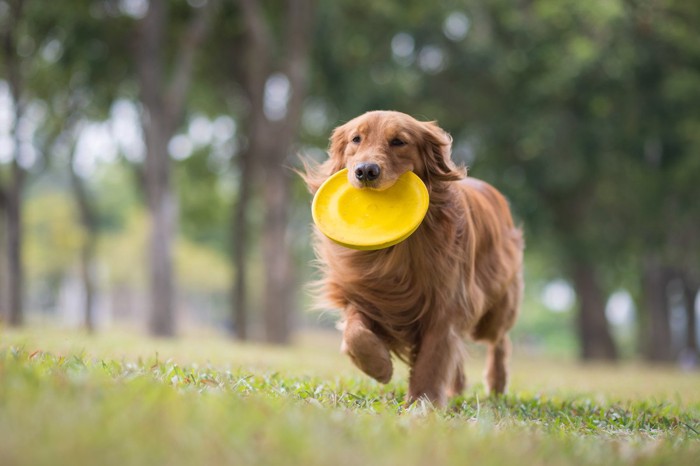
x=366 y=218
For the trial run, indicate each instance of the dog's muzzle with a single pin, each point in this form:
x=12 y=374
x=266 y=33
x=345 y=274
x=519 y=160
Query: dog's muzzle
x=367 y=172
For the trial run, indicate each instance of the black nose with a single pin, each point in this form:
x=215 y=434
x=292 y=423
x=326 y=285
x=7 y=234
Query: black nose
x=367 y=171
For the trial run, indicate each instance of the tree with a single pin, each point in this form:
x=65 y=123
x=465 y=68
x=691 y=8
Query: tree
x=12 y=21
x=88 y=219
x=75 y=85
x=272 y=132
x=3 y=260
x=661 y=155
x=163 y=110
x=497 y=83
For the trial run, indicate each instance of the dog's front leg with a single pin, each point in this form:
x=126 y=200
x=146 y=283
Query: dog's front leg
x=436 y=367
x=365 y=348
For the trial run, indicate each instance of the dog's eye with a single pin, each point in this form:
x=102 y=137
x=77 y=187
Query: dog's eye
x=356 y=139
x=396 y=142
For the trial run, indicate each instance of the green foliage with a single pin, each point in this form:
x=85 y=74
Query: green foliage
x=204 y=207
x=116 y=196
x=199 y=268
x=538 y=328
x=79 y=60
x=150 y=410
x=586 y=114
x=554 y=99
x=53 y=235
x=122 y=252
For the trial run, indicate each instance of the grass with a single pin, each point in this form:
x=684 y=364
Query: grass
x=121 y=399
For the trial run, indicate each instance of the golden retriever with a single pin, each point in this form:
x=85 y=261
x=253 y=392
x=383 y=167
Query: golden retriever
x=458 y=275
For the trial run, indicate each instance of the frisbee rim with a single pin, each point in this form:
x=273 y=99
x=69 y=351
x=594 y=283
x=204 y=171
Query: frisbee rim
x=416 y=194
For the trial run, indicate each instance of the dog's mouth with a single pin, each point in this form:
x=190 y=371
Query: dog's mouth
x=369 y=176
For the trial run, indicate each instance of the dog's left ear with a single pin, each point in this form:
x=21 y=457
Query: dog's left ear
x=437 y=150
x=314 y=174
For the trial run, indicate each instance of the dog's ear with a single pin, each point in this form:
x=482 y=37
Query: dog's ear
x=437 y=150
x=339 y=141
x=314 y=173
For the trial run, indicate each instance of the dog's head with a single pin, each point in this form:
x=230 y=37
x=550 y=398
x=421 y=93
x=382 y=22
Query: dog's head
x=378 y=147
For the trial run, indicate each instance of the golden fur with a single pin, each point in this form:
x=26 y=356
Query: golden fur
x=458 y=275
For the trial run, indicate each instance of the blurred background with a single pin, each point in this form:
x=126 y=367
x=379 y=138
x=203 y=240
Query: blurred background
x=146 y=150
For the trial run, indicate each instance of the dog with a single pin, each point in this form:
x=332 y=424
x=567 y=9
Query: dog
x=458 y=275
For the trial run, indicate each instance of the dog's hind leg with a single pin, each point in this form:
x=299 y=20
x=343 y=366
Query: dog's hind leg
x=492 y=329
x=496 y=373
x=366 y=350
x=459 y=381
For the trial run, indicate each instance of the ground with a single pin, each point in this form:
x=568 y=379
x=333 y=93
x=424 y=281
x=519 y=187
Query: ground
x=69 y=398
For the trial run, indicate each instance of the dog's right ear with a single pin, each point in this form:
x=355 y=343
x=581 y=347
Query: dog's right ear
x=314 y=173
x=339 y=141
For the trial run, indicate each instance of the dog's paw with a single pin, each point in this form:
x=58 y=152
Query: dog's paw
x=368 y=353
x=435 y=397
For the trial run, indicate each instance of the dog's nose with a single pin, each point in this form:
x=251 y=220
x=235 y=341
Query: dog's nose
x=367 y=171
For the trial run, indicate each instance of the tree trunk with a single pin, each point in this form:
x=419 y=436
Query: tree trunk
x=162 y=210
x=13 y=191
x=257 y=68
x=3 y=257
x=87 y=274
x=164 y=109
x=658 y=329
x=15 y=271
x=594 y=334
x=239 y=298
x=280 y=307
x=157 y=168
x=278 y=300
x=87 y=252
x=689 y=293
x=162 y=321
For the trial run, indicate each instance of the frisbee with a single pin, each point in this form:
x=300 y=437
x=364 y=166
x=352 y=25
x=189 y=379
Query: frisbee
x=366 y=218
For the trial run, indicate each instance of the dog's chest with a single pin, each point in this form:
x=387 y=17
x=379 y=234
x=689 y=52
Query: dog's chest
x=399 y=285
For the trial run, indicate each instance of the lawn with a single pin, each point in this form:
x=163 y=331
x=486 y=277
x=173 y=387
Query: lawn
x=68 y=398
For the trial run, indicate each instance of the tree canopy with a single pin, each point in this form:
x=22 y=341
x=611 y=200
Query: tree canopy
x=585 y=114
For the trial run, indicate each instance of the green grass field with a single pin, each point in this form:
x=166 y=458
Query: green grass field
x=67 y=398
